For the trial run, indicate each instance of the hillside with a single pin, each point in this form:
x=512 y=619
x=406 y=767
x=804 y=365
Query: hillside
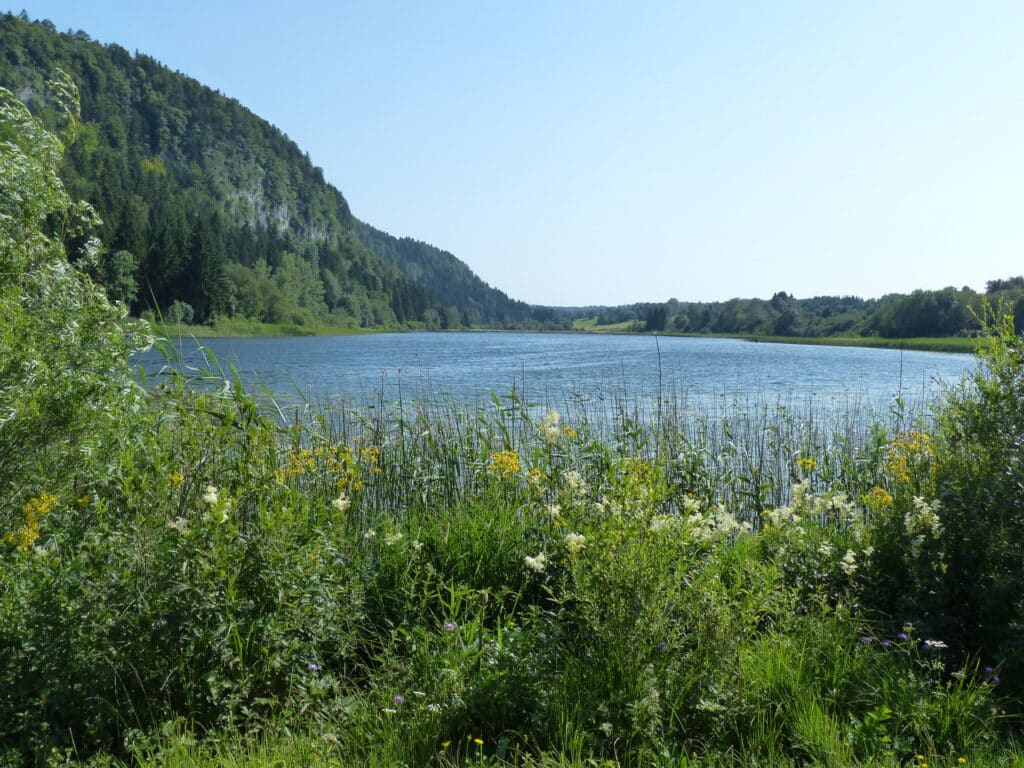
x=208 y=210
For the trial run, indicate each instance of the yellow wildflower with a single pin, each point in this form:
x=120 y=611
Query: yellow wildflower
x=806 y=465
x=505 y=464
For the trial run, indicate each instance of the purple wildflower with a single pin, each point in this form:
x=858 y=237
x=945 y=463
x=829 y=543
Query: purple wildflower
x=867 y=640
x=989 y=670
x=399 y=699
x=313 y=666
x=996 y=679
x=450 y=626
x=662 y=646
x=902 y=636
x=886 y=644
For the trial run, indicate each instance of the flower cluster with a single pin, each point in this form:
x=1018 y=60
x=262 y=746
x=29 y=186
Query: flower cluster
x=505 y=464
x=536 y=564
x=34 y=510
x=550 y=429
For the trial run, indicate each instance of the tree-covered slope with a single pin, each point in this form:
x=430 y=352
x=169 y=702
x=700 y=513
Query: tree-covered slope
x=205 y=204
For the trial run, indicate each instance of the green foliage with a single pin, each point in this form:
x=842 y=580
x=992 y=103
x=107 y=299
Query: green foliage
x=64 y=378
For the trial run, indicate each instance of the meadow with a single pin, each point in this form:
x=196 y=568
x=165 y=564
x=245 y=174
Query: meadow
x=191 y=577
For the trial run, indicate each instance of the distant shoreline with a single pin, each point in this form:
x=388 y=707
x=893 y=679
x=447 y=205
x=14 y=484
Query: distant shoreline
x=956 y=344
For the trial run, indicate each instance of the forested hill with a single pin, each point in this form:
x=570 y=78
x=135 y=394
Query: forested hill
x=208 y=210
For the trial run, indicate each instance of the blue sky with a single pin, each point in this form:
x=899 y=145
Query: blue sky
x=604 y=153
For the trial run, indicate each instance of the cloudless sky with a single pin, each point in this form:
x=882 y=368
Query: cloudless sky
x=586 y=152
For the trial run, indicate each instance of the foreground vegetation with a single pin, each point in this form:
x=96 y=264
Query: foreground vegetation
x=190 y=578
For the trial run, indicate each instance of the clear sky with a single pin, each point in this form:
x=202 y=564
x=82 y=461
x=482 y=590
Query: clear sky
x=587 y=152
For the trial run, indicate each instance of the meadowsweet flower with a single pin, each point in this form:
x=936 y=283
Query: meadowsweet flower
x=370 y=534
x=606 y=728
x=210 y=495
x=923 y=520
x=934 y=645
x=848 y=564
x=535 y=477
x=574 y=481
x=434 y=709
x=393 y=538
x=825 y=550
x=342 y=503
x=575 y=543
x=536 y=564
x=554 y=511
x=549 y=428
x=417 y=546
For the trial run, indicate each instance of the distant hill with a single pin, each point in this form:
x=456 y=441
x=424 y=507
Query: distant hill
x=209 y=210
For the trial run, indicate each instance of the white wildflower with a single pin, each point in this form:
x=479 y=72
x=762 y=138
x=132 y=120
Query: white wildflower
x=342 y=503
x=536 y=564
x=606 y=728
x=575 y=543
x=934 y=645
x=210 y=495
x=574 y=481
x=848 y=564
x=417 y=547
x=549 y=428
x=554 y=511
x=393 y=538
x=370 y=534
x=825 y=550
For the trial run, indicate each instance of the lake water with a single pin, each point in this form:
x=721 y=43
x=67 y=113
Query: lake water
x=550 y=369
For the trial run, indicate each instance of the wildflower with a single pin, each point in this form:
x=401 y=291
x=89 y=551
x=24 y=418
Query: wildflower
x=313 y=666
x=210 y=496
x=537 y=563
x=848 y=564
x=902 y=636
x=535 y=477
x=388 y=710
x=393 y=538
x=878 y=497
x=505 y=464
x=549 y=429
x=806 y=465
x=961 y=761
x=923 y=519
x=421 y=694
x=399 y=699
x=446 y=744
x=554 y=511
x=575 y=543
x=176 y=479
x=370 y=534
x=450 y=626
x=867 y=640
x=574 y=481
x=825 y=549
x=434 y=708
x=417 y=546
x=934 y=645
x=606 y=728
x=478 y=741
x=342 y=503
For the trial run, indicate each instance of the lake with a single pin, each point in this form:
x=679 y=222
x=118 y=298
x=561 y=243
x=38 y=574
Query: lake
x=551 y=369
